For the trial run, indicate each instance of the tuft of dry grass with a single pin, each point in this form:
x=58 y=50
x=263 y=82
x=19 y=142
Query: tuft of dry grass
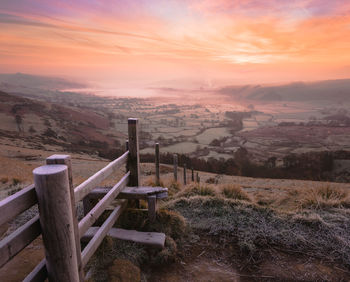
x=152 y=182
x=233 y=191
x=15 y=181
x=197 y=189
x=173 y=187
x=324 y=197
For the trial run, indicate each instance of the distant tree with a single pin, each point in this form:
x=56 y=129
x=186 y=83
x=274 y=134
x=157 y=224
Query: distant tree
x=18 y=119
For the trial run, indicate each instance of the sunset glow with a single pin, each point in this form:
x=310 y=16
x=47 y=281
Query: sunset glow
x=147 y=41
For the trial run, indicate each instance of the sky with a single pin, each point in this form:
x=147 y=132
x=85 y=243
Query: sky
x=171 y=43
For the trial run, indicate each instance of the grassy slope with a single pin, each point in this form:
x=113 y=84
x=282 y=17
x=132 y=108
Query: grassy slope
x=253 y=215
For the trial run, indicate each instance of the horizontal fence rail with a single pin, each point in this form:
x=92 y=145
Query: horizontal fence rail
x=17 y=203
x=11 y=207
x=19 y=239
x=95 y=213
x=38 y=274
x=84 y=188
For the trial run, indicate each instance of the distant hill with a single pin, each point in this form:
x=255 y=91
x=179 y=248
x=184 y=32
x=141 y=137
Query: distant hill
x=27 y=81
x=328 y=90
x=72 y=128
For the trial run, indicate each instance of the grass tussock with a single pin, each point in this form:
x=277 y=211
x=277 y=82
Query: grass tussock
x=324 y=197
x=197 y=189
x=232 y=191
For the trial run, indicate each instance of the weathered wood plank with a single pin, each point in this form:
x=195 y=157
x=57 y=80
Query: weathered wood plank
x=95 y=213
x=38 y=274
x=141 y=191
x=152 y=239
x=131 y=192
x=84 y=188
x=56 y=220
x=101 y=233
x=19 y=239
x=17 y=203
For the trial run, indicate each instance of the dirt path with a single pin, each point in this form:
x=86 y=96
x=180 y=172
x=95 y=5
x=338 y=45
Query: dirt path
x=212 y=260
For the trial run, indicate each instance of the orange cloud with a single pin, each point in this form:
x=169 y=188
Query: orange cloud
x=249 y=39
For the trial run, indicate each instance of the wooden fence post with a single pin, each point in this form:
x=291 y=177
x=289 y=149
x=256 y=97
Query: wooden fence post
x=157 y=164
x=126 y=149
x=57 y=222
x=152 y=208
x=66 y=160
x=185 y=178
x=134 y=157
x=175 y=167
x=198 y=179
x=192 y=178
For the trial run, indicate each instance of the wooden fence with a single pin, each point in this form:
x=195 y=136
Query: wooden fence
x=57 y=221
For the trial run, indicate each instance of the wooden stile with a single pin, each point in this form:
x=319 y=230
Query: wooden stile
x=53 y=191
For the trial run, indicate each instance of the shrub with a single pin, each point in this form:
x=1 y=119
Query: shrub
x=13 y=191
x=234 y=192
x=211 y=180
x=15 y=181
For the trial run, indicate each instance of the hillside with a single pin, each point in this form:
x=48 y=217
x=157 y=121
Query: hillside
x=40 y=124
x=321 y=91
x=249 y=229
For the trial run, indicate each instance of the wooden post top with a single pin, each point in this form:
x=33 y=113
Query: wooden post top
x=133 y=120
x=55 y=157
x=49 y=169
